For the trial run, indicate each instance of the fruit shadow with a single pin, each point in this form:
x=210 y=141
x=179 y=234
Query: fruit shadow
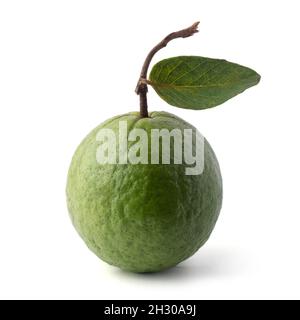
x=212 y=263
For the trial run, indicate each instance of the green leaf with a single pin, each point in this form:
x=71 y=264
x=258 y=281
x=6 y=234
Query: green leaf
x=198 y=83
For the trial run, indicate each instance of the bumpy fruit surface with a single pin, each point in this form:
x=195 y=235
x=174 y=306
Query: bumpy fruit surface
x=142 y=217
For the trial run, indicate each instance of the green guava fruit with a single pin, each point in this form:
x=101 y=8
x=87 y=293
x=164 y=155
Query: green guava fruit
x=143 y=217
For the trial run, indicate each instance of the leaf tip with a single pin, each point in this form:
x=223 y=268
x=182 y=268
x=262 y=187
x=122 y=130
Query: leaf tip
x=258 y=77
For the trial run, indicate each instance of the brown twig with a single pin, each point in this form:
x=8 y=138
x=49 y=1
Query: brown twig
x=141 y=88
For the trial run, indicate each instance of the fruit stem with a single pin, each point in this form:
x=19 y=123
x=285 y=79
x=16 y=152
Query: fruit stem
x=141 y=87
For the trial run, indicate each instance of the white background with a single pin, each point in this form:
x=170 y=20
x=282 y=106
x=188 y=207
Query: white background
x=66 y=66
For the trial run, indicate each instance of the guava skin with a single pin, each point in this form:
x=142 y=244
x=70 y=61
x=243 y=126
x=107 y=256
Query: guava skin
x=142 y=217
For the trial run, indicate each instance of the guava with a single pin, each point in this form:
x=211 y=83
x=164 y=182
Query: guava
x=143 y=217
x=140 y=205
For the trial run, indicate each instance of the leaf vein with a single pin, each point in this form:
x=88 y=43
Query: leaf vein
x=189 y=71
x=207 y=71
